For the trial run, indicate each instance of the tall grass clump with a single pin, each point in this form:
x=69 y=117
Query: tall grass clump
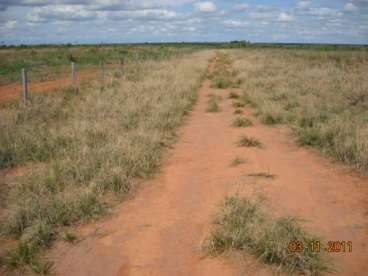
x=245 y=141
x=213 y=103
x=321 y=94
x=75 y=149
x=244 y=225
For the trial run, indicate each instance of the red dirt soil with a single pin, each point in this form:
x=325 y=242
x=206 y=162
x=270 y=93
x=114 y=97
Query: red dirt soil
x=160 y=230
x=13 y=91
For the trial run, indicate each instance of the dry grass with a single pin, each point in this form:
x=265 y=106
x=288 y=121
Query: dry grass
x=237 y=161
x=262 y=175
x=221 y=76
x=233 y=95
x=322 y=95
x=245 y=225
x=242 y=122
x=213 y=103
x=75 y=148
x=245 y=141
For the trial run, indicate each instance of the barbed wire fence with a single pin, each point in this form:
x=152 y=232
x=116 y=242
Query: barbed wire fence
x=74 y=71
x=77 y=72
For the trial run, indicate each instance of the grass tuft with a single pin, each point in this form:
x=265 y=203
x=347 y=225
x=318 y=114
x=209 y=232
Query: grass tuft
x=238 y=104
x=70 y=237
x=244 y=225
x=25 y=258
x=237 y=161
x=233 y=95
x=213 y=103
x=245 y=141
x=242 y=122
x=263 y=175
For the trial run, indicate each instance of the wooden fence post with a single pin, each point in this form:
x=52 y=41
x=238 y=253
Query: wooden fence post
x=122 y=66
x=24 y=85
x=73 y=75
x=102 y=74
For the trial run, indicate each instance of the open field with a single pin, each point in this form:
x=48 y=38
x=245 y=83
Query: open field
x=104 y=175
x=321 y=95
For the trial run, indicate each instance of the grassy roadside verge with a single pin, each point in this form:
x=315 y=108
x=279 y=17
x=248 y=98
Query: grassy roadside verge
x=245 y=225
x=321 y=95
x=77 y=148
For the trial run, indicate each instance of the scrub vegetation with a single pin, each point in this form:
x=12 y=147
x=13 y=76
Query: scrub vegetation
x=321 y=94
x=72 y=149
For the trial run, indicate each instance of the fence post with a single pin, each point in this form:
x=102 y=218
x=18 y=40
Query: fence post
x=102 y=74
x=122 y=66
x=24 y=85
x=73 y=75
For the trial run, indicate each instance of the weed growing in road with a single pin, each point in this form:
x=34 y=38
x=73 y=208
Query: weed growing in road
x=238 y=104
x=263 y=175
x=221 y=76
x=233 y=95
x=242 y=122
x=213 y=103
x=245 y=141
x=237 y=161
x=238 y=111
x=244 y=225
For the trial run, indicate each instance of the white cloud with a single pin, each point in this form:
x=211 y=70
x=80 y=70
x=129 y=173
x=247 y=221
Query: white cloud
x=235 y=23
x=324 y=12
x=350 y=7
x=285 y=17
x=60 y=12
x=304 y=4
x=11 y=24
x=241 y=7
x=154 y=14
x=206 y=7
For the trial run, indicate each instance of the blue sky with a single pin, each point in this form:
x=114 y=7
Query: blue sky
x=115 y=21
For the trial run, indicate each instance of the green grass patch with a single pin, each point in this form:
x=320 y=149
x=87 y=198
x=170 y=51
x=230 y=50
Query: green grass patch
x=245 y=225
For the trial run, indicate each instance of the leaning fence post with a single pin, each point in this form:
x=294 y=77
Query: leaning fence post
x=24 y=85
x=73 y=75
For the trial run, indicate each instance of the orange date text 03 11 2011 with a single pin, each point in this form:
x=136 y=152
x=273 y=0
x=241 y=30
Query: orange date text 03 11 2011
x=317 y=247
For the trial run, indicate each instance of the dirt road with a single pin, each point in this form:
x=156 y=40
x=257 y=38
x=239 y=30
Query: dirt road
x=160 y=230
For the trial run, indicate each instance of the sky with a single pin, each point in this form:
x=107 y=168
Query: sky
x=127 y=21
